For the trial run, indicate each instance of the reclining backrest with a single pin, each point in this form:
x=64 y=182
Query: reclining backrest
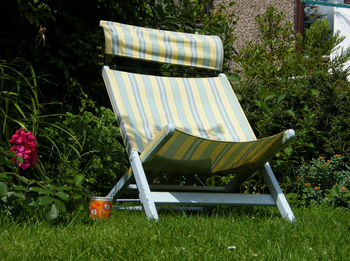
x=204 y=107
x=145 y=104
x=200 y=51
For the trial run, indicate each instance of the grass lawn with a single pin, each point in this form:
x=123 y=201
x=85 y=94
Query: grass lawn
x=320 y=233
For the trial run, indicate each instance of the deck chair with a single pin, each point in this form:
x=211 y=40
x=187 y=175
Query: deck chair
x=184 y=126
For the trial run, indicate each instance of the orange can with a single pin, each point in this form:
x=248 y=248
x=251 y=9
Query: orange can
x=100 y=207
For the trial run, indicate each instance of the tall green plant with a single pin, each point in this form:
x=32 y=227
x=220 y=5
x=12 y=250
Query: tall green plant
x=287 y=87
x=64 y=44
x=30 y=190
x=102 y=160
x=283 y=54
x=275 y=55
x=196 y=16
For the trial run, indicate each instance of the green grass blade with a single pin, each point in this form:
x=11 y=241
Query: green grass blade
x=65 y=131
x=238 y=233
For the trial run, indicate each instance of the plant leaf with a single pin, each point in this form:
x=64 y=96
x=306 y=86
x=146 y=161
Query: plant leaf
x=62 y=195
x=19 y=195
x=78 y=179
x=46 y=191
x=315 y=92
x=3 y=189
x=35 y=189
x=53 y=213
x=23 y=179
x=19 y=188
x=45 y=200
x=77 y=196
x=60 y=206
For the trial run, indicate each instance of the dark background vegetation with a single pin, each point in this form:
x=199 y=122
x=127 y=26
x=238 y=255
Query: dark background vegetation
x=51 y=53
x=69 y=56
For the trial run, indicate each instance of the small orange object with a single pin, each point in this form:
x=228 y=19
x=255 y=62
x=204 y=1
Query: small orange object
x=100 y=207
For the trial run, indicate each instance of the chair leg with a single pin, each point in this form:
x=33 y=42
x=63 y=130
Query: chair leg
x=277 y=193
x=121 y=185
x=143 y=187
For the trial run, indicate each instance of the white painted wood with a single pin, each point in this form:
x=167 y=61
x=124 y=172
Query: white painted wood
x=277 y=193
x=120 y=187
x=138 y=208
x=212 y=198
x=199 y=195
x=289 y=134
x=160 y=208
x=143 y=187
x=342 y=24
x=181 y=188
x=127 y=200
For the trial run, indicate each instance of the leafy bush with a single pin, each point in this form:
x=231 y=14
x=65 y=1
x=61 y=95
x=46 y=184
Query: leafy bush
x=30 y=190
x=61 y=42
x=101 y=160
x=73 y=155
x=65 y=44
x=283 y=54
x=283 y=87
x=324 y=181
x=77 y=154
x=274 y=57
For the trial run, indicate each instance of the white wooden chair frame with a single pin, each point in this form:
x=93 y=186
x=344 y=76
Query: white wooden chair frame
x=202 y=196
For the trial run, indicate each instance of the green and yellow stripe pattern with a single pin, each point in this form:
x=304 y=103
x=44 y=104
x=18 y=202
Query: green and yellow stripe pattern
x=174 y=149
x=203 y=107
x=195 y=123
x=201 y=51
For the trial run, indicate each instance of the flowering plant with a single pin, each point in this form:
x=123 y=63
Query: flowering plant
x=325 y=181
x=25 y=148
x=43 y=193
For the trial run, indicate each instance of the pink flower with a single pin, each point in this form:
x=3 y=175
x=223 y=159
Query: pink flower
x=25 y=148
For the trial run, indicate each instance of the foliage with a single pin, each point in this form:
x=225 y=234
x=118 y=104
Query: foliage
x=65 y=44
x=196 y=16
x=274 y=57
x=324 y=181
x=30 y=190
x=283 y=87
x=102 y=160
x=77 y=154
x=61 y=41
x=318 y=45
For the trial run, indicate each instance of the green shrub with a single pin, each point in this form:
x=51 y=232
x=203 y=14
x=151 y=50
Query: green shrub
x=101 y=160
x=324 y=181
x=283 y=87
x=65 y=44
x=28 y=191
x=77 y=155
x=274 y=57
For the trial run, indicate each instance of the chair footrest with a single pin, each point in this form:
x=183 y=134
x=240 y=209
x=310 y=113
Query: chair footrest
x=177 y=188
x=160 y=208
x=212 y=198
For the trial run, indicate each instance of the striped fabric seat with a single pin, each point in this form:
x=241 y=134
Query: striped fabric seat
x=195 y=124
x=201 y=51
x=175 y=151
